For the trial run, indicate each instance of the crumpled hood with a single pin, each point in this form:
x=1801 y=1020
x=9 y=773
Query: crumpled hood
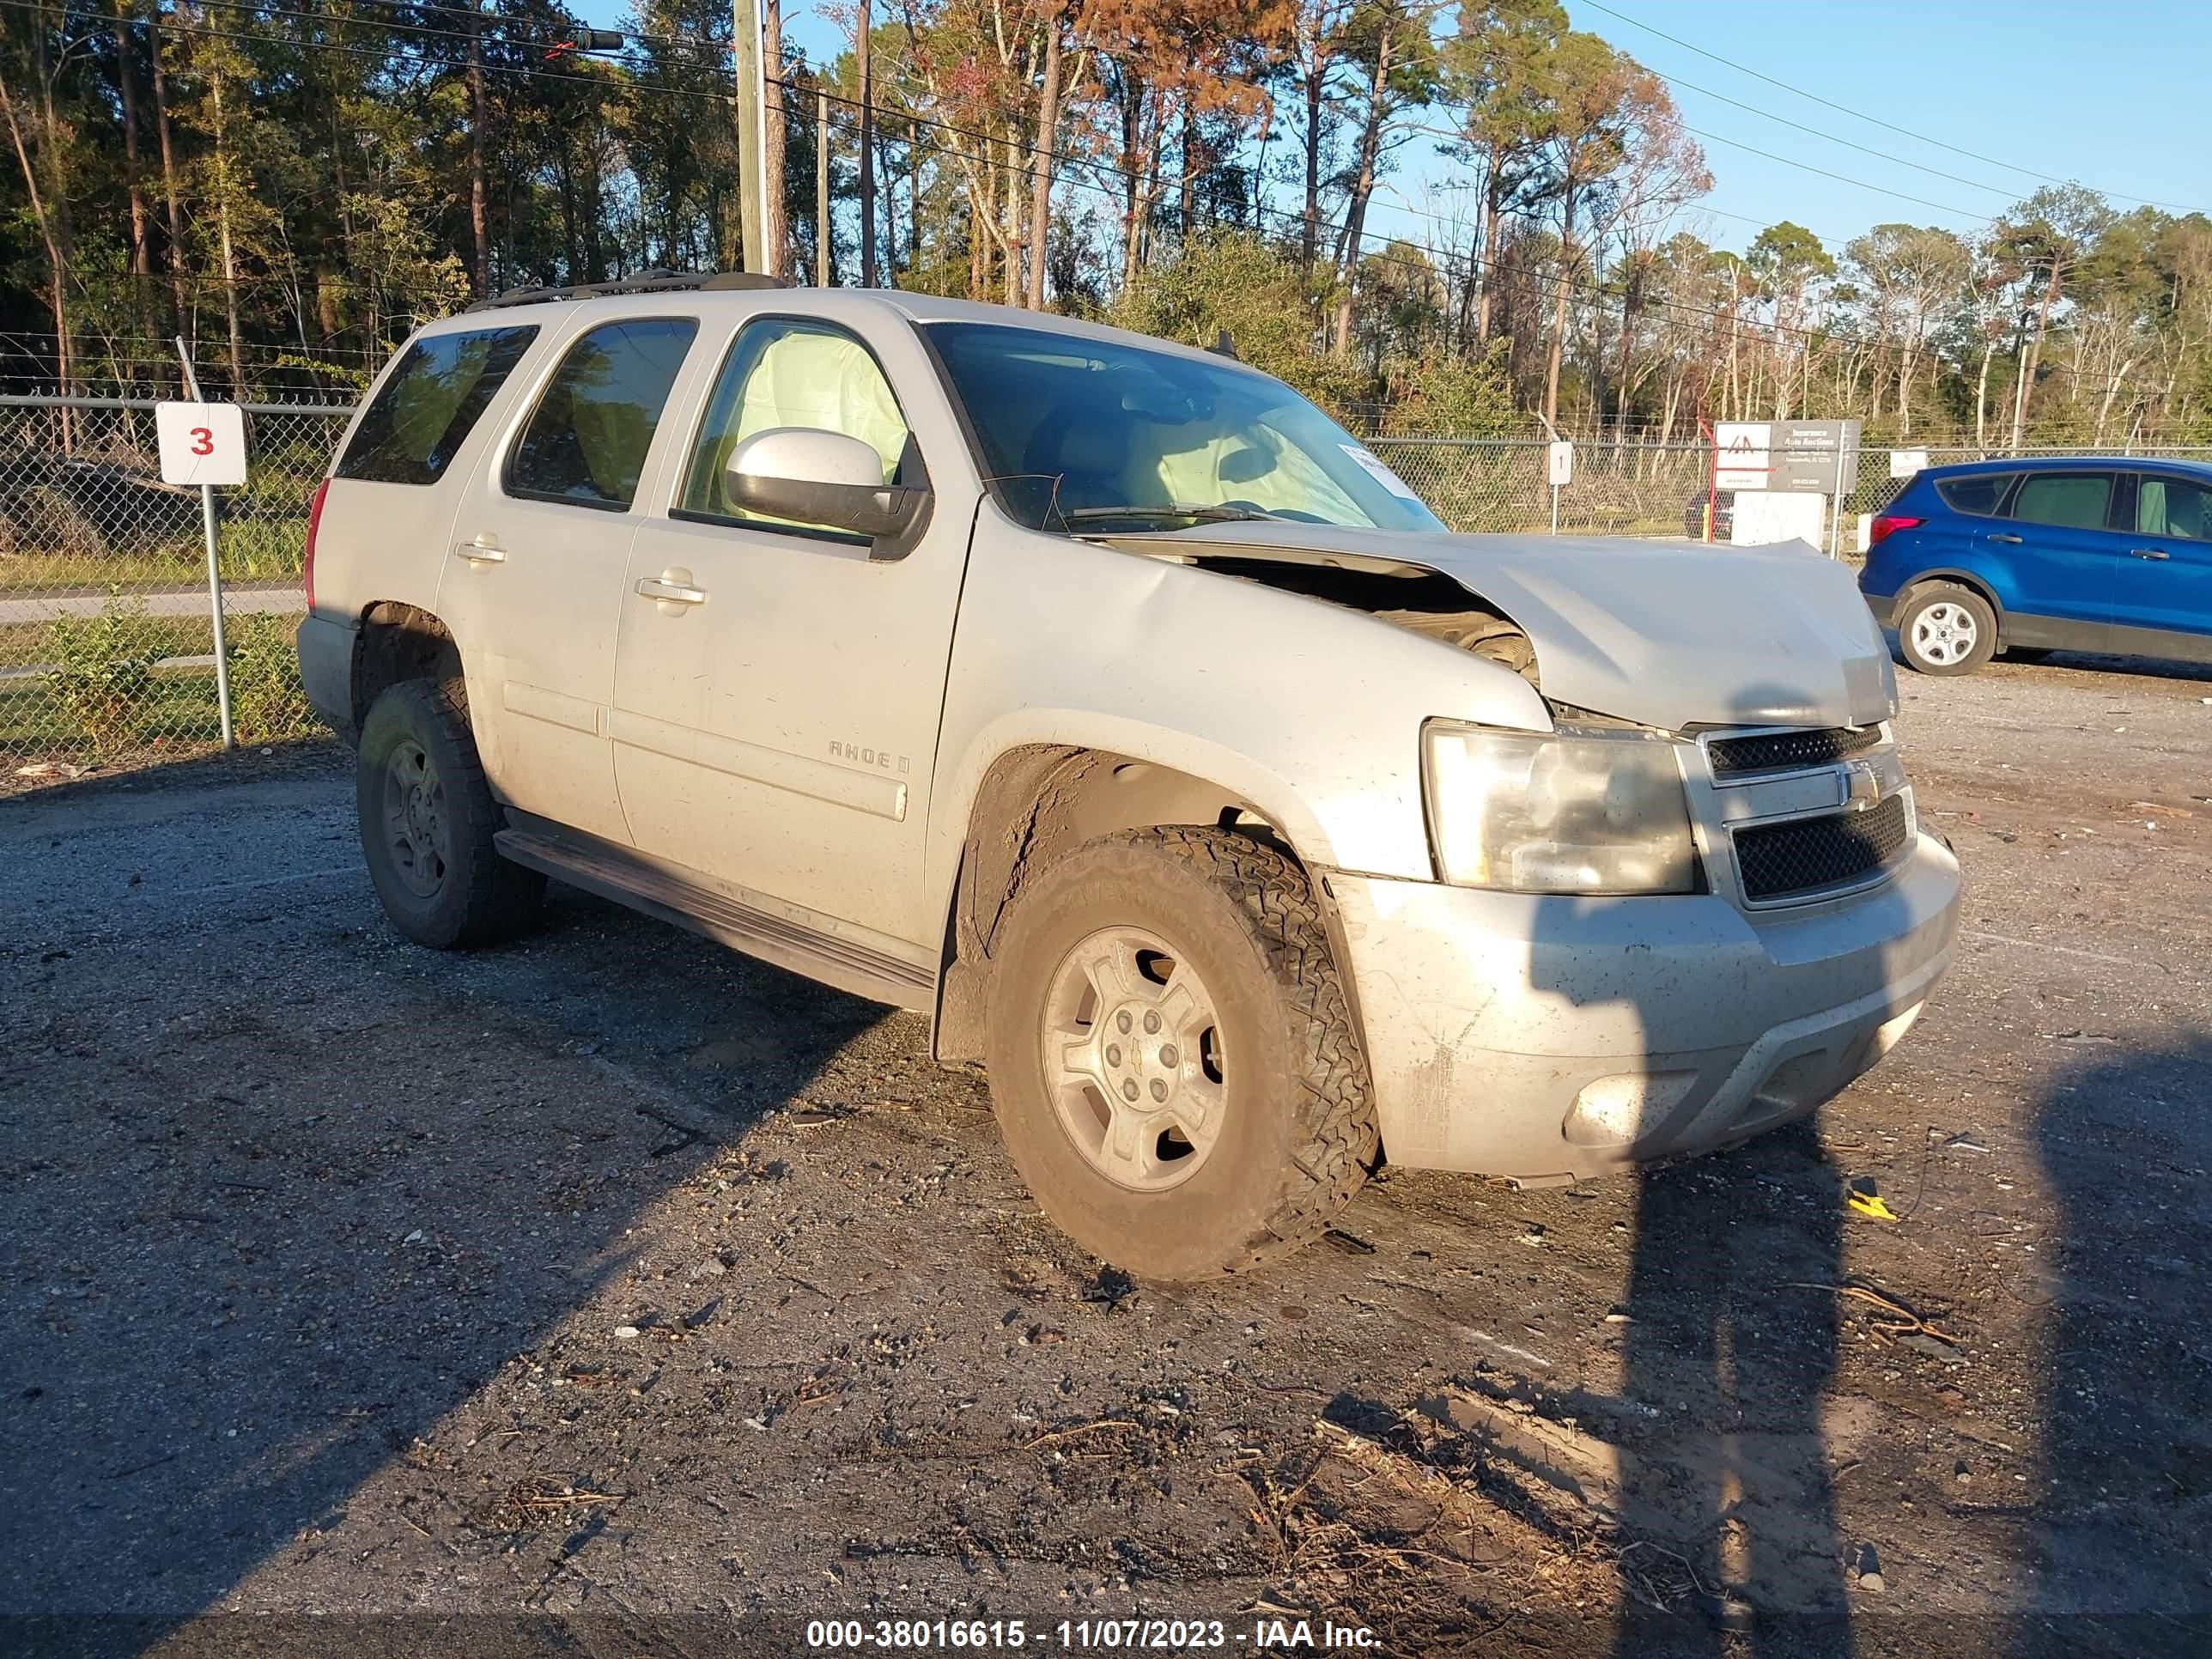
x=1668 y=633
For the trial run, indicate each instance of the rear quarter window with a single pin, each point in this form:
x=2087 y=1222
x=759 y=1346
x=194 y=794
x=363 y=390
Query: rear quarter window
x=1977 y=493
x=433 y=400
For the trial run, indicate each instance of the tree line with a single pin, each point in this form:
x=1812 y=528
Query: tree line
x=295 y=185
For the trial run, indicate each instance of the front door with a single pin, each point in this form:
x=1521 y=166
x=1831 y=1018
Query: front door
x=778 y=692
x=533 y=584
x=2063 y=555
x=2165 y=583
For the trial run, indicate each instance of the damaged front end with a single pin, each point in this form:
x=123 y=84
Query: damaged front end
x=1663 y=635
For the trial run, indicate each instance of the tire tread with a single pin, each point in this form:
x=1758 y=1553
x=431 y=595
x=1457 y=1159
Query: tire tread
x=1337 y=1142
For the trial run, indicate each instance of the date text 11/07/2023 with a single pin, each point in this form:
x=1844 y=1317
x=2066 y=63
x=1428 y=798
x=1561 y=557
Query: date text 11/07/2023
x=1088 y=1635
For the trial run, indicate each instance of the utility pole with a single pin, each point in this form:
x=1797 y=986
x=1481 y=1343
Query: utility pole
x=752 y=135
x=772 y=148
x=864 y=25
x=822 y=231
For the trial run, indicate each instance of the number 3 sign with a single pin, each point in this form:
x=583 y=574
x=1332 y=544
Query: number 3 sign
x=201 y=443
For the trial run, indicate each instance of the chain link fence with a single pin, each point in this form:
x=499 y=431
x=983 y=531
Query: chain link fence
x=106 y=641
x=1632 y=488
x=1482 y=484
x=107 y=652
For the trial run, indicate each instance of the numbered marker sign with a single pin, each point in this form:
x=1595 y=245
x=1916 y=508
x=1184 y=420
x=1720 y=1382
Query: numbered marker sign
x=1559 y=461
x=201 y=443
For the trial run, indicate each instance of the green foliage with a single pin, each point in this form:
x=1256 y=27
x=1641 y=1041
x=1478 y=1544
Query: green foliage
x=1439 y=395
x=267 y=703
x=1235 y=281
x=103 y=669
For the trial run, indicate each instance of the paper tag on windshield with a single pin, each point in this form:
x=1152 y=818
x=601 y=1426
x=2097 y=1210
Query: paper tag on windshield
x=1381 y=474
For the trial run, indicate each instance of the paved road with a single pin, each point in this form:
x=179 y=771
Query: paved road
x=177 y=600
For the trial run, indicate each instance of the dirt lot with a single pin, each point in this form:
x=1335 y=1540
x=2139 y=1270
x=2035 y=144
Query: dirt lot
x=615 y=1277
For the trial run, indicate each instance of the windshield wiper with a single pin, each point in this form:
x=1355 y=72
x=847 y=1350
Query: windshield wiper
x=1191 y=511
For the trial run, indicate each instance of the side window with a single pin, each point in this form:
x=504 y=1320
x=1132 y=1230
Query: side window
x=588 y=438
x=785 y=373
x=2072 y=501
x=2173 y=509
x=1977 y=493
x=426 y=410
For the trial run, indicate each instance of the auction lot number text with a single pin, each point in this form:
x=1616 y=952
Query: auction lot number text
x=1172 y=1635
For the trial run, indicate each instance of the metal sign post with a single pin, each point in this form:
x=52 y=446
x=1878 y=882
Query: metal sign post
x=214 y=573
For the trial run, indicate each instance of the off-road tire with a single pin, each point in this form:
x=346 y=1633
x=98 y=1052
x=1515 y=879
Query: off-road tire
x=1297 y=1135
x=479 y=897
x=1924 y=602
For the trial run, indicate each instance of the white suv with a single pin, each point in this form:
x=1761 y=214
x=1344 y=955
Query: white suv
x=1103 y=699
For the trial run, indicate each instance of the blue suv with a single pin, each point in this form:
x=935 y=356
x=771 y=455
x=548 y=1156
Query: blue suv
x=2025 y=557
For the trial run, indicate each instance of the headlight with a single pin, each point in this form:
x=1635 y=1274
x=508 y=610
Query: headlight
x=1579 y=812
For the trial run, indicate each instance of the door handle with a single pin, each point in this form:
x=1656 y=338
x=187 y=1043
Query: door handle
x=482 y=549
x=2150 y=552
x=654 y=587
x=2009 y=541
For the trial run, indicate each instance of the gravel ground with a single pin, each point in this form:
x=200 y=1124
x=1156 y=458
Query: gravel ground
x=616 y=1290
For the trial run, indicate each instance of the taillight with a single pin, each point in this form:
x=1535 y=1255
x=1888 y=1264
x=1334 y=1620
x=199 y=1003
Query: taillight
x=1887 y=524
x=314 y=522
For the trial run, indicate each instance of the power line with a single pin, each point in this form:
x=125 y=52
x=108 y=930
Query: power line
x=1843 y=178
x=105 y=21
x=1449 y=258
x=1845 y=109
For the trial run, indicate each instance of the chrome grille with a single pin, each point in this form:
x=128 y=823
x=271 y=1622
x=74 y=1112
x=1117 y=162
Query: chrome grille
x=1774 y=751
x=1807 y=856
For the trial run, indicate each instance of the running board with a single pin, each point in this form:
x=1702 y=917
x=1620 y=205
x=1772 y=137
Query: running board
x=611 y=874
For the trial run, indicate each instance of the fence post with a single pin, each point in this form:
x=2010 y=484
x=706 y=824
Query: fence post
x=215 y=574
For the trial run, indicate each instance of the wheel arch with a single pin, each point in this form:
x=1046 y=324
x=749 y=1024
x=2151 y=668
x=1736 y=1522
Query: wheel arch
x=398 y=641
x=1973 y=581
x=1035 y=803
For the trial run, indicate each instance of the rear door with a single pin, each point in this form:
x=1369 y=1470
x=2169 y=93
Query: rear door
x=2164 y=585
x=2057 y=543
x=534 y=583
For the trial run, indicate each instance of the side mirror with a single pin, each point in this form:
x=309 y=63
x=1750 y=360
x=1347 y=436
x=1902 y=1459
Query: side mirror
x=817 y=477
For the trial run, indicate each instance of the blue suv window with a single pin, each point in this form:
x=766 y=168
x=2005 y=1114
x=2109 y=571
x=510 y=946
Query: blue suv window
x=1979 y=494
x=2071 y=500
x=2167 y=507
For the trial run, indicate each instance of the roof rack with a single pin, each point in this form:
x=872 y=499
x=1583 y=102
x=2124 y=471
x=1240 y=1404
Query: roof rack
x=646 y=281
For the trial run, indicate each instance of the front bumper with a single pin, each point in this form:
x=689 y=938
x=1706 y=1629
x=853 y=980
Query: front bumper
x=326 y=672
x=1546 y=1038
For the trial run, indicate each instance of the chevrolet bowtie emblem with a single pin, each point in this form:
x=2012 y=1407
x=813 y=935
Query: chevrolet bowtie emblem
x=1862 y=787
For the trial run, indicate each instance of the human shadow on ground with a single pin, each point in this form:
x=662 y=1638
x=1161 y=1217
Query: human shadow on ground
x=2125 y=1494
x=1726 y=1365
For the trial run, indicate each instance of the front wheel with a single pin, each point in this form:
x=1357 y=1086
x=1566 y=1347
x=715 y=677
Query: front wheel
x=426 y=822
x=1945 y=628
x=1172 y=1058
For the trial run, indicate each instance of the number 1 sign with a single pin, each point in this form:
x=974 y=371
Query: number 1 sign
x=201 y=443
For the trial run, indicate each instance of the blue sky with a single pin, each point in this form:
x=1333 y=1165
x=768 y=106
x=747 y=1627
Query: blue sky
x=2110 y=93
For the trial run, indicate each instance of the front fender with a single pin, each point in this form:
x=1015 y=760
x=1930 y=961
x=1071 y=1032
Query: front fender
x=1309 y=711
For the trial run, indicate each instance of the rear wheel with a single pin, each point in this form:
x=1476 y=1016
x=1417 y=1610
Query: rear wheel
x=426 y=822
x=1171 y=1054
x=1945 y=628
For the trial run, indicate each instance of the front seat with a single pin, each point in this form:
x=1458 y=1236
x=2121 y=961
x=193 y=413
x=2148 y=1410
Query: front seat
x=1087 y=455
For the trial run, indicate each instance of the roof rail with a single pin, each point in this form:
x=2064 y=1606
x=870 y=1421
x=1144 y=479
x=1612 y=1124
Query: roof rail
x=646 y=281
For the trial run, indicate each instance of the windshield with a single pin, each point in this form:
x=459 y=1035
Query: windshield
x=1092 y=434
